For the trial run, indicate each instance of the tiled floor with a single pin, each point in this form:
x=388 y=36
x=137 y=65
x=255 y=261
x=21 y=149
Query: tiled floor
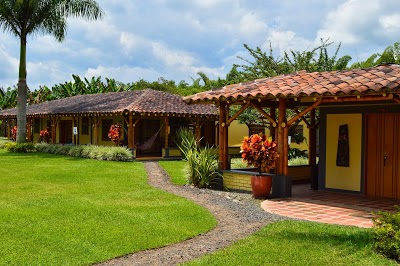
x=329 y=207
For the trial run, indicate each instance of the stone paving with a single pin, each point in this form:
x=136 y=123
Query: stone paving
x=329 y=207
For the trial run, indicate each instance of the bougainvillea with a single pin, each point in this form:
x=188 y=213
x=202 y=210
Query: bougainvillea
x=259 y=151
x=115 y=133
x=44 y=136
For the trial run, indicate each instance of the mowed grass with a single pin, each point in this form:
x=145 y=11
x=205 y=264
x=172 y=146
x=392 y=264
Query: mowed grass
x=300 y=243
x=58 y=210
x=177 y=170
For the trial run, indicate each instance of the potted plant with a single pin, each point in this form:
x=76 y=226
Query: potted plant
x=260 y=151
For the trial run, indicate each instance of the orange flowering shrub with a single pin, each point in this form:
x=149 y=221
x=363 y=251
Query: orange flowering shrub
x=44 y=136
x=259 y=151
x=115 y=133
x=14 y=133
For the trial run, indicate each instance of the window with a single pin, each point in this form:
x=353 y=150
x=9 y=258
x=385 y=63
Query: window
x=256 y=129
x=85 y=126
x=299 y=130
x=36 y=125
x=105 y=128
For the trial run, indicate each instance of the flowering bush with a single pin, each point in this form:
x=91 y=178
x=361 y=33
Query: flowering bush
x=259 y=151
x=115 y=133
x=44 y=136
x=14 y=133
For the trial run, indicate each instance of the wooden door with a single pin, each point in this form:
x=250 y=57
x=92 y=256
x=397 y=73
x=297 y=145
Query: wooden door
x=382 y=155
x=65 y=131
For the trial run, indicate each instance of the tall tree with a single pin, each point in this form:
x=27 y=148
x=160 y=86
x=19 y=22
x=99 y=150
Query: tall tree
x=26 y=17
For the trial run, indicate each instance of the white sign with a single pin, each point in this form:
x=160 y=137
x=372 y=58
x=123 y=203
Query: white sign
x=75 y=130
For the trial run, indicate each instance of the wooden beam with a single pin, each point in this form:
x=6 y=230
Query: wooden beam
x=272 y=132
x=272 y=120
x=303 y=118
x=280 y=142
x=166 y=120
x=96 y=123
x=29 y=129
x=9 y=129
x=130 y=131
x=359 y=98
x=302 y=113
x=222 y=142
x=244 y=107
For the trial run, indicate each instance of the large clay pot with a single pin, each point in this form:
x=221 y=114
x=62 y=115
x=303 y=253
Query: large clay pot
x=261 y=186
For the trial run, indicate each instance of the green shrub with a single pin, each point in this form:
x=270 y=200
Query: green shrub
x=90 y=151
x=203 y=163
x=298 y=161
x=20 y=147
x=387 y=234
x=3 y=142
x=294 y=152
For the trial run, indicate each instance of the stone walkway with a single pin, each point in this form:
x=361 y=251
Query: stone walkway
x=237 y=214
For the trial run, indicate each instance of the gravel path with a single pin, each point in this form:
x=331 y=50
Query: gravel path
x=238 y=216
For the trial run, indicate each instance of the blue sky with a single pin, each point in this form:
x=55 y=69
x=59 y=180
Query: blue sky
x=175 y=39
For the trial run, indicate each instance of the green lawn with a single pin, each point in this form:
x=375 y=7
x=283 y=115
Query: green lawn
x=177 y=170
x=300 y=243
x=58 y=210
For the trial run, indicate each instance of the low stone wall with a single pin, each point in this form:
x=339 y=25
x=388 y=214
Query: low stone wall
x=300 y=172
x=240 y=180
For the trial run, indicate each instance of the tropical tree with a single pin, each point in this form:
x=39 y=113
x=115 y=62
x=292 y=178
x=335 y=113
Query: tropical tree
x=26 y=17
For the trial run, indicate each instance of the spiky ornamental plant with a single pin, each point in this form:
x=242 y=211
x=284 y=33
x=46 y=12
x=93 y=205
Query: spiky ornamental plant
x=27 y=17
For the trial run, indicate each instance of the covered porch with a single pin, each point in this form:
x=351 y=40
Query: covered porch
x=337 y=103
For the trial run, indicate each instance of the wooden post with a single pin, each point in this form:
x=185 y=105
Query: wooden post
x=9 y=129
x=198 y=131
x=272 y=113
x=130 y=131
x=54 y=123
x=281 y=136
x=166 y=120
x=312 y=153
x=96 y=122
x=223 y=143
x=29 y=129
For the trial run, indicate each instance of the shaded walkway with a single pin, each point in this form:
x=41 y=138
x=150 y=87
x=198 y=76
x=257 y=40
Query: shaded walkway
x=329 y=207
x=237 y=214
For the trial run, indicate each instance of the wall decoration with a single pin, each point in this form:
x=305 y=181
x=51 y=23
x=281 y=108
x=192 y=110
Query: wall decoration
x=342 y=156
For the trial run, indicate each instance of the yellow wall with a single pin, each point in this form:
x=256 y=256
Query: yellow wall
x=236 y=133
x=337 y=177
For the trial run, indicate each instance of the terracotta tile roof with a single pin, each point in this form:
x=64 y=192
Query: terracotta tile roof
x=383 y=78
x=140 y=102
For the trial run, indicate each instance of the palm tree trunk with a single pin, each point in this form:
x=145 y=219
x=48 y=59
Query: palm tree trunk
x=22 y=94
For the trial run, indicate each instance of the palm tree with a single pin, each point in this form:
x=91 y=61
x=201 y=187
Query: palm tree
x=26 y=17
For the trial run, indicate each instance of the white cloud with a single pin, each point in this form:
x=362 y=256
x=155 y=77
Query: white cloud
x=123 y=73
x=127 y=41
x=171 y=57
x=251 y=24
x=390 y=23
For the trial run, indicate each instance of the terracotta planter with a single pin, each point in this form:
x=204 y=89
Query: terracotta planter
x=261 y=186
